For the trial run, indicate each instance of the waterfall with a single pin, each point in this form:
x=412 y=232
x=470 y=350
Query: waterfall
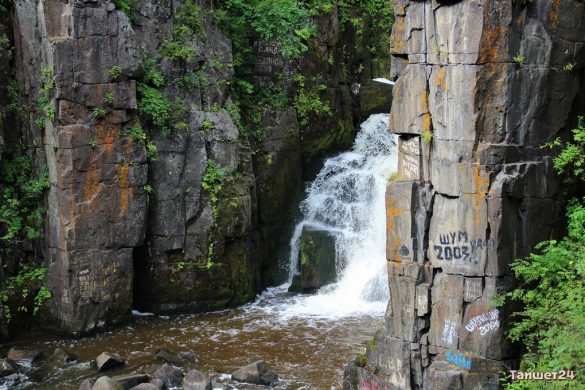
x=347 y=200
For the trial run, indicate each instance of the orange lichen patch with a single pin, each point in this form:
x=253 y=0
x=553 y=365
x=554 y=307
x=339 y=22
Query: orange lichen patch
x=398 y=43
x=441 y=80
x=424 y=101
x=481 y=189
x=427 y=121
x=391 y=121
x=490 y=45
x=554 y=14
x=91 y=184
x=391 y=214
x=124 y=190
x=396 y=250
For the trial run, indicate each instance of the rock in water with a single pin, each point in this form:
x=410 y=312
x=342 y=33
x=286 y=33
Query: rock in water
x=317 y=256
x=63 y=356
x=6 y=368
x=108 y=360
x=105 y=383
x=256 y=373
x=169 y=375
x=130 y=381
x=196 y=380
x=87 y=384
x=24 y=356
x=176 y=358
x=146 y=386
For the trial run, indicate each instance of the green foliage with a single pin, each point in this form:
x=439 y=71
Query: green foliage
x=571 y=159
x=5 y=6
x=126 y=6
x=153 y=104
x=136 y=134
x=151 y=75
x=98 y=112
x=286 y=22
x=43 y=102
x=519 y=59
x=212 y=184
x=274 y=97
x=25 y=292
x=93 y=143
x=569 y=67
x=148 y=188
x=21 y=211
x=551 y=322
x=151 y=151
x=207 y=125
x=108 y=98
x=427 y=137
x=309 y=102
x=186 y=26
x=115 y=72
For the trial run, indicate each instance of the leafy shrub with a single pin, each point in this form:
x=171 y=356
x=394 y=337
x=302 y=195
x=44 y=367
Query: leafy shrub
x=153 y=104
x=21 y=211
x=186 y=26
x=115 y=72
x=212 y=183
x=551 y=323
x=24 y=292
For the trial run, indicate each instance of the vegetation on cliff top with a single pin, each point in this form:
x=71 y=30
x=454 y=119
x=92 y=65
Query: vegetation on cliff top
x=551 y=323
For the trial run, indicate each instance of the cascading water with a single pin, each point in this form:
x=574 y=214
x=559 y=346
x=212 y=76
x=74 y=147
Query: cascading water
x=347 y=200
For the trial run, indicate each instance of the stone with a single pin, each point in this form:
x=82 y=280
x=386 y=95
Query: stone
x=6 y=368
x=169 y=375
x=131 y=380
x=25 y=357
x=106 y=383
x=196 y=380
x=106 y=361
x=63 y=356
x=317 y=258
x=256 y=373
x=87 y=384
x=146 y=386
x=176 y=358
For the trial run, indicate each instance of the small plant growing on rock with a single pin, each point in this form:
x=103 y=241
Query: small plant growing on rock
x=98 y=112
x=115 y=72
x=569 y=67
x=136 y=134
x=207 y=125
x=93 y=143
x=147 y=188
x=427 y=137
x=108 y=98
x=519 y=59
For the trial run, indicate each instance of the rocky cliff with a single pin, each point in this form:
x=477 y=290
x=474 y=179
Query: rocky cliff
x=157 y=199
x=481 y=85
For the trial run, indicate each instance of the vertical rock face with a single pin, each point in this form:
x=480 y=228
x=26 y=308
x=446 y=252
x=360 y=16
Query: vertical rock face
x=97 y=176
x=482 y=84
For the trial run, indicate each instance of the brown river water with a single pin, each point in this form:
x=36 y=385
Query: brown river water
x=308 y=349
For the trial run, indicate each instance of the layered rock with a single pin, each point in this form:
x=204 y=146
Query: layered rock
x=481 y=86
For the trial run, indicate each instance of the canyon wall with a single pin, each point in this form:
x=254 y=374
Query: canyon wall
x=481 y=85
x=173 y=211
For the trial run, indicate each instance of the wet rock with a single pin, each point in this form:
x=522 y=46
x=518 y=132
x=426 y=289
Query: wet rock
x=317 y=256
x=256 y=373
x=106 y=383
x=24 y=356
x=169 y=375
x=157 y=383
x=196 y=380
x=108 y=360
x=131 y=380
x=146 y=386
x=6 y=368
x=176 y=358
x=87 y=384
x=63 y=356
x=10 y=380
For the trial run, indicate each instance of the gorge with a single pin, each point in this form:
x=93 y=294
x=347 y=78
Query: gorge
x=199 y=163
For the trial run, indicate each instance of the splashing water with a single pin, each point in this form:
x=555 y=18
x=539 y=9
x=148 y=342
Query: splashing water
x=347 y=200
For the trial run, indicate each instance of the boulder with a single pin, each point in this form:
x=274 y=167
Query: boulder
x=317 y=256
x=87 y=384
x=107 y=360
x=169 y=375
x=6 y=368
x=256 y=373
x=63 y=356
x=106 y=383
x=146 y=386
x=196 y=380
x=176 y=358
x=131 y=380
x=24 y=356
